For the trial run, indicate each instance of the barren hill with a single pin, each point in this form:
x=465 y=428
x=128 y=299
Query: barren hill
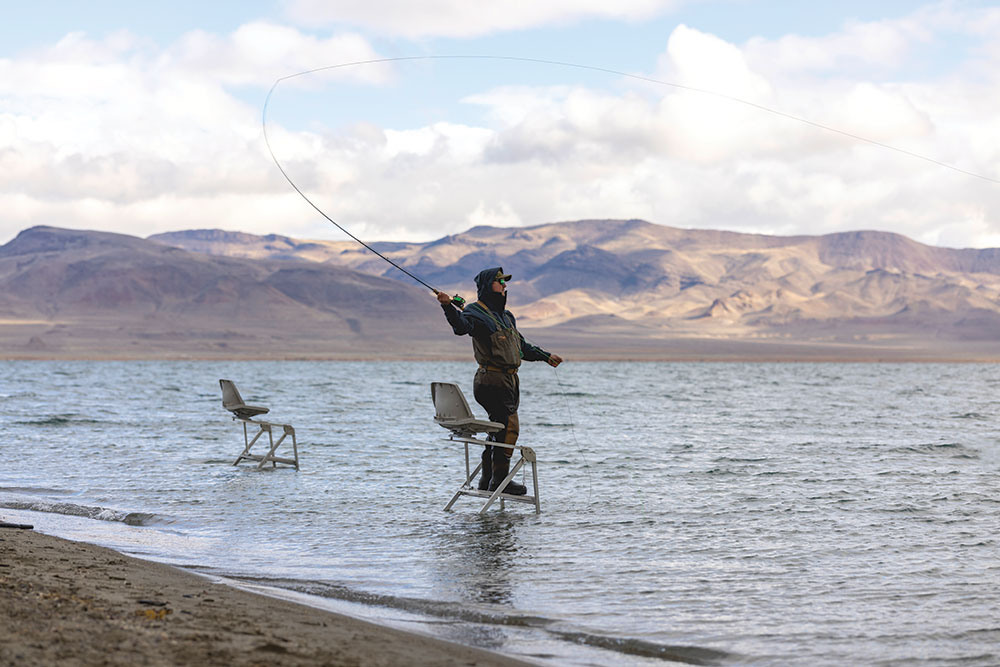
x=590 y=289
x=83 y=293
x=862 y=288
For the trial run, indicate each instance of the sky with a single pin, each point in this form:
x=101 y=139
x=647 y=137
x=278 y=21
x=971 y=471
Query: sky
x=760 y=117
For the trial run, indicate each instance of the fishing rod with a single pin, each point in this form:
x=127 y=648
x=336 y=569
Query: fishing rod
x=456 y=300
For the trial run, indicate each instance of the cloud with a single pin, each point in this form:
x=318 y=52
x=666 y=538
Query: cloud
x=871 y=48
x=258 y=53
x=686 y=158
x=95 y=131
x=121 y=135
x=466 y=18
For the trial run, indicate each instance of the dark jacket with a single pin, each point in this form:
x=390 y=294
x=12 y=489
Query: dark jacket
x=482 y=324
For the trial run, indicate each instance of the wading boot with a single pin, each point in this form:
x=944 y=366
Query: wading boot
x=484 y=481
x=501 y=466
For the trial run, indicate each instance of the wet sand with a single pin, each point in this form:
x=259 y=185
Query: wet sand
x=71 y=603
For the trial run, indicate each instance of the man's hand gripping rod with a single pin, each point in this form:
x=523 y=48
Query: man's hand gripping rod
x=456 y=300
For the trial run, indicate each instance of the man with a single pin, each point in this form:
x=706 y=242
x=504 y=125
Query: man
x=499 y=349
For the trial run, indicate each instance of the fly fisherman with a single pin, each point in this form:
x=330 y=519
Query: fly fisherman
x=498 y=349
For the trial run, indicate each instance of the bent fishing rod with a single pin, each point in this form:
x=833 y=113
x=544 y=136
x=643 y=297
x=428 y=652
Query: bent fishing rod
x=458 y=301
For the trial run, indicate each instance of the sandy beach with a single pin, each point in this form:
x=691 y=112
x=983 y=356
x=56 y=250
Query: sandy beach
x=71 y=603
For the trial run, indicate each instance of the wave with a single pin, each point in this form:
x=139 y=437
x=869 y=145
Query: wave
x=435 y=608
x=688 y=655
x=456 y=611
x=34 y=489
x=737 y=459
x=952 y=449
x=976 y=416
x=58 y=420
x=85 y=511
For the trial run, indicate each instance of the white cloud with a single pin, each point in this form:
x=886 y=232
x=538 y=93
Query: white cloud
x=499 y=214
x=690 y=159
x=467 y=18
x=111 y=133
x=258 y=53
x=869 y=47
x=700 y=60
x=116 y=134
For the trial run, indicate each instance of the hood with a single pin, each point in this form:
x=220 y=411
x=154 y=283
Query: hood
x=484 y=287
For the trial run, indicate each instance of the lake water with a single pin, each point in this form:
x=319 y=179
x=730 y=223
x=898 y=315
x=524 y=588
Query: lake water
x=709 y=513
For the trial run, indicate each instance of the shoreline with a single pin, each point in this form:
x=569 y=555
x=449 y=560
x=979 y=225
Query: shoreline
x=582 y=359
x=75 y=603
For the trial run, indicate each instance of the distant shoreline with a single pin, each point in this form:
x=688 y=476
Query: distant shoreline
x=459 y=350
x=706 y=359
x=98 y=343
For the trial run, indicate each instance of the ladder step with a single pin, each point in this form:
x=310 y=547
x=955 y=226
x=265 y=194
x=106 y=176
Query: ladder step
x=261 y=457
x=505 y=496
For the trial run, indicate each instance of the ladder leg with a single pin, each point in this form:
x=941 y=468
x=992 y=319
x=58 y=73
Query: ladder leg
x=534 y=485
x=452 y=501
x=501 y=487
x=471 y=476
x=492 y=499
x=270 y=454
x=246 y=448
x=467 y=475
x=510 y=475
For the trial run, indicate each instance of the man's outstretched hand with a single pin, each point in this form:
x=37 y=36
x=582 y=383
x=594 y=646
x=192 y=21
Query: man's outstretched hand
x=443 y=297
x=554 y=360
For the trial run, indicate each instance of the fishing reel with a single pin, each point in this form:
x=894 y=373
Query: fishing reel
x=456 y=300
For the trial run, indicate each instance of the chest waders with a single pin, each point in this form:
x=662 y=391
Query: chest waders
x=497 y=389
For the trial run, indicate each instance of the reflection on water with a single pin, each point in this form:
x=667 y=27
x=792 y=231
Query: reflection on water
x=476 y=562
x=778 y=513
x=482 y=554
x=494 y=558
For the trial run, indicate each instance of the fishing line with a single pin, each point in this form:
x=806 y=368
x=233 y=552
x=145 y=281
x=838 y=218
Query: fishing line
x=572 y=430
x=592 y=68
x=309 y=201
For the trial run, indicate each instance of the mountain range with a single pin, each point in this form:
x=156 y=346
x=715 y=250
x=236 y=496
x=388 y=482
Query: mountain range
x=592 y=289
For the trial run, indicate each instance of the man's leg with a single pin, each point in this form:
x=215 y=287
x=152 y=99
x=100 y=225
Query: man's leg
x=502 y=456
x=484 y=479
x=500 y=395
x=488 y=396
